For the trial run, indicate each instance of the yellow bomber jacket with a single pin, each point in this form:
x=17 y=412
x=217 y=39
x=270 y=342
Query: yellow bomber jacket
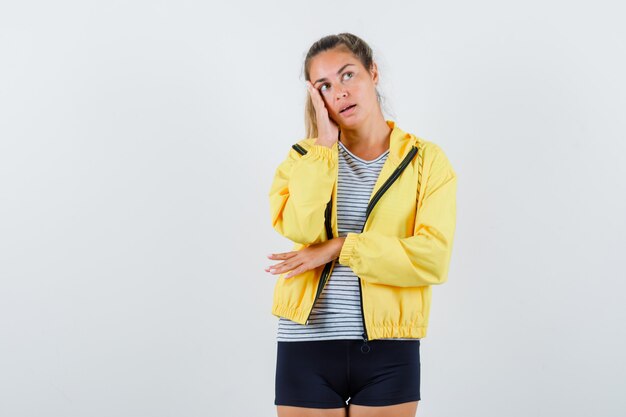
x=405 y=245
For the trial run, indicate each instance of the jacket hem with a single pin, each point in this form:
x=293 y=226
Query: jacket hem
x=296 y=314
x=410 y=332
x=301 y=314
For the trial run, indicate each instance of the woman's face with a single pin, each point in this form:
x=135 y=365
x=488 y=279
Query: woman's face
x=342 y=81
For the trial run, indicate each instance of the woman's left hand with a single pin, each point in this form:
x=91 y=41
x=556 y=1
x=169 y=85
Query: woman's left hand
x=306 y=258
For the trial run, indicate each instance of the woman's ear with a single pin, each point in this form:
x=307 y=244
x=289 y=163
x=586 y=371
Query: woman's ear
x=374 y=72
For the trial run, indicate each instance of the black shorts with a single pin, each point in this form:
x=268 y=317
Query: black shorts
x=329 y=373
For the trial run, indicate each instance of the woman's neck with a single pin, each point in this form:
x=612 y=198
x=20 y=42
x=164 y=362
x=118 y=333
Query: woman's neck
x=369 y=139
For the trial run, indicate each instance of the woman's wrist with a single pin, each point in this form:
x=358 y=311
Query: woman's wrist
x=338 y=245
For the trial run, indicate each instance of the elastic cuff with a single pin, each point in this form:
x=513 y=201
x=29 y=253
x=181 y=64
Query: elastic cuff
x=319 y=151
x=348 y=248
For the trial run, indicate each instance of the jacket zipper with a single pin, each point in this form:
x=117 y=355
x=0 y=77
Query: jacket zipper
x=392 y=178
x=329 y=266
x=299 y=149
x=329 y=235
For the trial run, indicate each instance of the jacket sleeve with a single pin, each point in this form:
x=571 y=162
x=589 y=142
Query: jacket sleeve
x=301 y=189
x=418 y=260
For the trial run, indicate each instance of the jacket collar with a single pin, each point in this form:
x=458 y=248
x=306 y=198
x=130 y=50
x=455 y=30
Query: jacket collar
x=400 y=143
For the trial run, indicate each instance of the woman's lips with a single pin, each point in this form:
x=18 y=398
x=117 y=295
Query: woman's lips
x=348 y=111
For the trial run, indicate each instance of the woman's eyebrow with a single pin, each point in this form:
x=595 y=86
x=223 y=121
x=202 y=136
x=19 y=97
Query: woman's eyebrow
x=338 y=72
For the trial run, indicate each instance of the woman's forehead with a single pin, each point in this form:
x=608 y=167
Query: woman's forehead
x=328 y=63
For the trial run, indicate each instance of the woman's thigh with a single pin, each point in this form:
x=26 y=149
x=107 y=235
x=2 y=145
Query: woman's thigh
x=407 y=409
x=288 y=411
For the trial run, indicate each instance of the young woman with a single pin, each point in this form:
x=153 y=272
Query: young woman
x=371 y=210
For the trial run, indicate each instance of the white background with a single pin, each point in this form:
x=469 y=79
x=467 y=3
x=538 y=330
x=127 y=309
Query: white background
x=138 y=141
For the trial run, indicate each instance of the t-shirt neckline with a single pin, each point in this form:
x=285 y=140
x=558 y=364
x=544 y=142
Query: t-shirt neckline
x=361 y=159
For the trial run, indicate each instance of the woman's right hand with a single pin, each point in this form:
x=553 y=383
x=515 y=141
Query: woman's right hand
x=327 y=129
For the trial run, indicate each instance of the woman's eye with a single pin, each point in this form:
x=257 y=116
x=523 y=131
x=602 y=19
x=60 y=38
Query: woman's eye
x=325 y=86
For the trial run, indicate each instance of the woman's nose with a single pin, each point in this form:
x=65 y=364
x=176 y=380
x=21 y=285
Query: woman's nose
x=342 y=94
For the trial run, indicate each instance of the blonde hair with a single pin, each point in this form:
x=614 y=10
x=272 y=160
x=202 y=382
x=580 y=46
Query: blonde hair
x=357 y=46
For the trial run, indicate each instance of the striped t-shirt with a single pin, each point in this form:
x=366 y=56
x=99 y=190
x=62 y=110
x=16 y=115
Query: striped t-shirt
x=337 y=311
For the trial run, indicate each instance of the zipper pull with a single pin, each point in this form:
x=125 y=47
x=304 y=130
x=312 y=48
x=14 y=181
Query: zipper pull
x=365 y=348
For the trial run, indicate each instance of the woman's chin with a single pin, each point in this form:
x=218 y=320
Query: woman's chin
x=350 y=122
